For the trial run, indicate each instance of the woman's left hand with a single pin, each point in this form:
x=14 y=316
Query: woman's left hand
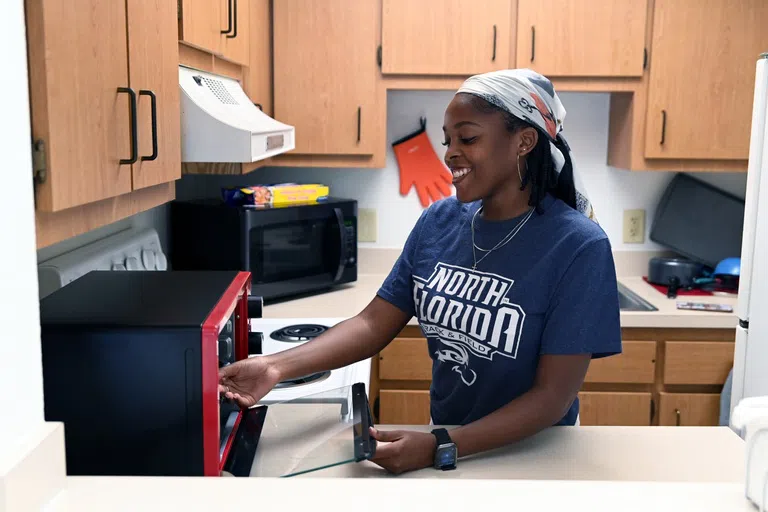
x=404 y=450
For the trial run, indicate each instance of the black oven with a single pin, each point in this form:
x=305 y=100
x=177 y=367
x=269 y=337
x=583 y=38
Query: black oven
x=289 y=250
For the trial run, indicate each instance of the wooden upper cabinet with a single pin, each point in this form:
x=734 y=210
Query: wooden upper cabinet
x=201 y=24
x=582 y=38
x=702 y=77
x=325 y=74
x=154 y=58
x=234 y=44
x=257 y=77
x=445 y=37
x=77 y=61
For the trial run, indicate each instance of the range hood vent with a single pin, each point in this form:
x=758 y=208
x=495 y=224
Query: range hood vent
x=219 y=123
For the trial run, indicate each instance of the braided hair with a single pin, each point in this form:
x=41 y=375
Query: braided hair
x=540 y=170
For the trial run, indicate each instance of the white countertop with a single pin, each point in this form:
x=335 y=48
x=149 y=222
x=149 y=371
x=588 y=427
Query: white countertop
x=86 y=494
x=563 y=468
x=640 y=454
x=348 y=300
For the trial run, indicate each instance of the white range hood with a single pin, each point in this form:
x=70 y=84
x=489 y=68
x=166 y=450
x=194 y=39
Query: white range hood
x=219 y=123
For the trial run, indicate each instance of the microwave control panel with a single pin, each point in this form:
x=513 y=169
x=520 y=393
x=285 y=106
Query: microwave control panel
x=351 y=243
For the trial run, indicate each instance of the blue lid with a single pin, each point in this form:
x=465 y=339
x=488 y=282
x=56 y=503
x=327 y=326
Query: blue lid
x=728 y=267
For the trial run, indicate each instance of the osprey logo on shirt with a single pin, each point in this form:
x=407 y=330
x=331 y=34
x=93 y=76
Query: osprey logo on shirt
x=469 y=313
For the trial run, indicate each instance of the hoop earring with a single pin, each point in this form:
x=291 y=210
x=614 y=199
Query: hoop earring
x=518 y=170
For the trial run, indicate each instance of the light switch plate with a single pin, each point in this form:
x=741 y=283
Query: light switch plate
x=634 y=226
x=367 y=225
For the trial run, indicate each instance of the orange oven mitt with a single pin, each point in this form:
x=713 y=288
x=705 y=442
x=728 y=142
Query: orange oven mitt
x=421 y=168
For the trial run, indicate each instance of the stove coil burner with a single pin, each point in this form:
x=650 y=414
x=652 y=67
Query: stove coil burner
x=307 y=379
x=298 y=333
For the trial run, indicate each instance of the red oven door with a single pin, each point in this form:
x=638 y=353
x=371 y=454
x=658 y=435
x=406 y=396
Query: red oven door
x=224 y=340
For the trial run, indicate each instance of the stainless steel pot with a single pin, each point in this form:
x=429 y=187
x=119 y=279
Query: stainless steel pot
x=677 y=272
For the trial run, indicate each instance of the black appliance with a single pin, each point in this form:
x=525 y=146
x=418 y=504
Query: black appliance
x=289 y=250
x=699 y=221
x=130 y=366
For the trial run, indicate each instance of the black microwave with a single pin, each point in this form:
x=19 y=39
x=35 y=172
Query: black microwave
x=289 y=250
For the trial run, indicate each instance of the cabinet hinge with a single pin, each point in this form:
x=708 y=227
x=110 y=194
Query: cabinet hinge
x=378 y=55
x=39 y=171
x=645 y=58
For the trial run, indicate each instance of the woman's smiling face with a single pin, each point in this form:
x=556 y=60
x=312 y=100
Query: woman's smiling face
x=481 y=151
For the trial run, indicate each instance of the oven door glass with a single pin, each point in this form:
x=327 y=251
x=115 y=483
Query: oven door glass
x=307 y=248
x=314 y=432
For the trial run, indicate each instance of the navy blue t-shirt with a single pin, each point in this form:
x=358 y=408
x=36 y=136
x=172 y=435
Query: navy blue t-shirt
x=551 y=290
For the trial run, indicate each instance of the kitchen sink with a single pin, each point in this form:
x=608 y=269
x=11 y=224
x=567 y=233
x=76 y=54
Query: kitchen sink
x=630 y=301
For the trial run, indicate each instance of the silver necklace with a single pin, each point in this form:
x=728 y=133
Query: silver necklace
x=504 y=241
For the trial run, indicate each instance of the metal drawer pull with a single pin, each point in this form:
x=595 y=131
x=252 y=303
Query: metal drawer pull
x=153 y=103
x=533 y=43
x=134 y=129
x=677 y=417
x=663 y=126
x=359 y=116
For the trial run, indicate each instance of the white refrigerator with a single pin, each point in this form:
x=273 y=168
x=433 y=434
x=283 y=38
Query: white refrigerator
x=750 y=365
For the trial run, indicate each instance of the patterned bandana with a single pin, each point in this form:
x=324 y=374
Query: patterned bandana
x=531 y=97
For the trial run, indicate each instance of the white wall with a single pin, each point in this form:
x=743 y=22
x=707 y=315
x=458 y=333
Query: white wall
x=21 y=384
x=586 y=129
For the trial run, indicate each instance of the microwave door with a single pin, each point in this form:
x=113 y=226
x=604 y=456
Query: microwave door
x=294 y=255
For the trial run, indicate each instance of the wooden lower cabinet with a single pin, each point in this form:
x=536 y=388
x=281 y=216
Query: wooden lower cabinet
x=405 y=359
x=636 y=364
x=689 y=409
x=614 y=408
x=662 y=377
x=404 y=406
x=697 y=362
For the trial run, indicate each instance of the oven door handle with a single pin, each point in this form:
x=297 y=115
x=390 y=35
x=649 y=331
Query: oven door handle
x=342 y=244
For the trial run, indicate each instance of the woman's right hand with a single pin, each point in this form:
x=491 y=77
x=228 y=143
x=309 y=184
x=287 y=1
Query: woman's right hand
x=247 y=381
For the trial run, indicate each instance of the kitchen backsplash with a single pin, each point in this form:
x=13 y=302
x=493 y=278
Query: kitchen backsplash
x=586 y=129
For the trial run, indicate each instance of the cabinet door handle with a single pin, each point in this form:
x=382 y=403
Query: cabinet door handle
x=153 y=103
x=493 y=57
x=134 y=129
x=258 y=105
x=663 y=126
x=533 y=43
x=653 y=409
x=359 y=117
x=233 y=16
x=677 y=417
x=229 y=18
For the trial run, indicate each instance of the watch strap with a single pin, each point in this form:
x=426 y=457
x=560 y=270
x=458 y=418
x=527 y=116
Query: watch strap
x=442 y=436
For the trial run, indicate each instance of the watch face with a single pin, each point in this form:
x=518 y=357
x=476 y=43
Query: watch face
x=445 y=456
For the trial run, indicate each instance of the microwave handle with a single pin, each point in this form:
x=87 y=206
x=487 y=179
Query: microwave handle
x=342 y=242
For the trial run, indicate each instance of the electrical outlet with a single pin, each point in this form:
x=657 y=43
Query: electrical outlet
x=367 y=225
x=634 y=226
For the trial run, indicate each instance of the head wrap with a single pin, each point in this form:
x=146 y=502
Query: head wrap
x=531 y=97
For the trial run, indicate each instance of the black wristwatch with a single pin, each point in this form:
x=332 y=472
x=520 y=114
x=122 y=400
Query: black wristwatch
x=446 y=452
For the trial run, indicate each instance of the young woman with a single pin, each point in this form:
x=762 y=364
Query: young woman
x=512 y=282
